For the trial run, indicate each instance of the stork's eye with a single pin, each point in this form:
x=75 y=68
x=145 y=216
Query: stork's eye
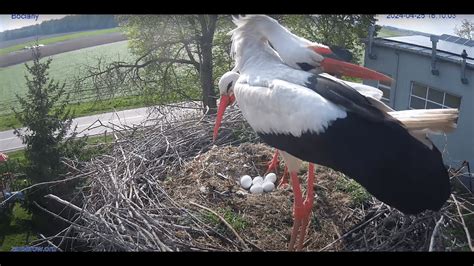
x=305 y=66
x=271 y=45
x=229 y=85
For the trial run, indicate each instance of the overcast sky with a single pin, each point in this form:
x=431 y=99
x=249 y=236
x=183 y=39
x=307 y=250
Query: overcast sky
x=434 y=26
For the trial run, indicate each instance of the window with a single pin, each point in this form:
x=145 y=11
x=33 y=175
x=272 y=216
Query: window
x=425 y=97
x=385 y=88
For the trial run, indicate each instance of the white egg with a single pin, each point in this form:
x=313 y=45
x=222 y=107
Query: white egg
x=256 y=189
x=268 y=186
x=271 y=177
x=257 y=180
x=246 y=181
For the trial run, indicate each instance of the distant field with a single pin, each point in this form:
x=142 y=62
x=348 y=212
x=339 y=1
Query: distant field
x=63 y=68
x=61 y=38
x=384 y=33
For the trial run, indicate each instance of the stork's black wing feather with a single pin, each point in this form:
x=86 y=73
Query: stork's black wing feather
x=373 y=149
x=345 y=96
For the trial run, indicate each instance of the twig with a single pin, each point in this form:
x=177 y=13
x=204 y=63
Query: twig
x=65 y=220
x=254 y=245
x=351 y=231
x=223 y=176
x=468 y=236
x=49 y=242
x=435 y=231
x=335 y=229
x=58 y=199
x=46 y=183
x=224 y=221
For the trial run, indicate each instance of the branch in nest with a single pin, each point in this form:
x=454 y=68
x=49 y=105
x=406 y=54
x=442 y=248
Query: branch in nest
x=45 y=183
x=435 y=232
x=225 y=222
x=49 y=242
x=468 y=235
x=353 y=230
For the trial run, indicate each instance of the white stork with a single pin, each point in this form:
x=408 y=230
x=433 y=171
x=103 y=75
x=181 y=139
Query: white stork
x=300 y=53
x=320 y=119
x=303 y=54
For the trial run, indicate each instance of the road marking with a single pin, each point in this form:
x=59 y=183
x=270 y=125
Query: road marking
x=8 y=139
x=141 y=115
x=122 y=120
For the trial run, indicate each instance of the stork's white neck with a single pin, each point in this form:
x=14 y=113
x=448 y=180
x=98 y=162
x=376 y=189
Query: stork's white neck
x=249 y=40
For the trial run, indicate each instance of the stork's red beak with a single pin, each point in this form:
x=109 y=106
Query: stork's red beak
x=321 y=49
x=332 y=65
x=225 y=101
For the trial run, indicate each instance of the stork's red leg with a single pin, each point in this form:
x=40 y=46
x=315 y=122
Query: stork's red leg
x=284 y=179
x=301 y=210
x=298 y=210
x=307 y=206
x=273 y=164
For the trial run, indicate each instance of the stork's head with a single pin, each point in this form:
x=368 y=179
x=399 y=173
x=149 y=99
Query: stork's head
x=314 y=57
x=299 y=52
x=226 y=90
x=333 y=60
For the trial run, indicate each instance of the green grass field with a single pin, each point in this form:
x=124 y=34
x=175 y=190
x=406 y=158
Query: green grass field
x=385 y=33
x=64 y=68
x=62 y=38
x=15 y=231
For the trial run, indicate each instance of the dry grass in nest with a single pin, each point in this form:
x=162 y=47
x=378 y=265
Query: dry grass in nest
x=212 y=180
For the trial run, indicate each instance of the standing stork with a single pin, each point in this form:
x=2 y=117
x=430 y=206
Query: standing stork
x=320 y=119
x=300 y=53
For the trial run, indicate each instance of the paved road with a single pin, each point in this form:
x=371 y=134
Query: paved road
x=22 y=56
x=10 y=142
x=4 y=44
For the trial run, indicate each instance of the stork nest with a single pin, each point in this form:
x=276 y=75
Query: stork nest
x=167 y=187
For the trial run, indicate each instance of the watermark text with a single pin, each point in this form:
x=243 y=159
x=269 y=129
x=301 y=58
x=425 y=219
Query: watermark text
x=25 y=16
x=33 y=249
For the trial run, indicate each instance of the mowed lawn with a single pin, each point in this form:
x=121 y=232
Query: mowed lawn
x=61 y=38
x=63 y=68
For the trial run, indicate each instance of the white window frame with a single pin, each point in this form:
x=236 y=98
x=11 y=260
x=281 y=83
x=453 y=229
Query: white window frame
x=389 y=88
x=426 y=100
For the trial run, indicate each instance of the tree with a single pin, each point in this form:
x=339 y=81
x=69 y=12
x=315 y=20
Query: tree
x=47 y=120
x=178 y=49
x=344 y=31
x=466 y=30
x=181 y=57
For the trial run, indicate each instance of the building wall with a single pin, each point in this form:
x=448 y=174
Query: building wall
x=406 y=67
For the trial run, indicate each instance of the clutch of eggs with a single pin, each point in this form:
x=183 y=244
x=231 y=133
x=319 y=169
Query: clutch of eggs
x=259 y=184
